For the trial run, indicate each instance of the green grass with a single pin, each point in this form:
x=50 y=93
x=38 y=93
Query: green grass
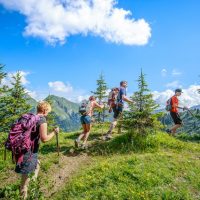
x=164 y=168
x=171 y=172
x=163 y=175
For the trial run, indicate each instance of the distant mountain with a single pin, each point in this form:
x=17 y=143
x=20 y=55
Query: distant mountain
x=65 y=112
x=195 y=107
x=32 y=102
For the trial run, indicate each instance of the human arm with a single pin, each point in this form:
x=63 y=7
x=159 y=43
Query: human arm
x=98 y=105
x=125 y=98
x=44 y=136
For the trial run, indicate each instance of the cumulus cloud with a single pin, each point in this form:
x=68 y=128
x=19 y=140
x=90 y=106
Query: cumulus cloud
x=56 y=20
x=33 y=94
x=65 y=90
x=190 y=96
x=59 y=86
x=9 y=79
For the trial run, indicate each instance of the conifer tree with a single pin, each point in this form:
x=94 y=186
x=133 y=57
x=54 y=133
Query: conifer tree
x=13 y=104
x=140 y=116
x=2 y=76
x=101 y=95
x=3 y=93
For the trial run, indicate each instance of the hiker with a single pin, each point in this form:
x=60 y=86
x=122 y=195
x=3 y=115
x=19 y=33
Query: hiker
x=112 y=97
x=30 y=161
x=87 y=112
x=174 y=106
x=118 y=107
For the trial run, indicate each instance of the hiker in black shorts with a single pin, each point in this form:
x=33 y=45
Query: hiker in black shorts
x=118 y=108
x=175 y=113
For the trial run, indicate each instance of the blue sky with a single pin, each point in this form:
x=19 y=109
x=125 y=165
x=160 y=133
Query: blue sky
x=60 y=53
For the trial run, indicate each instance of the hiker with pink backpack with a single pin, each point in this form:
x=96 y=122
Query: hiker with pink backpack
x=24 y=139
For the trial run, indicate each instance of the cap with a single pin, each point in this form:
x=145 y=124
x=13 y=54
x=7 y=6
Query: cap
x=178 y=90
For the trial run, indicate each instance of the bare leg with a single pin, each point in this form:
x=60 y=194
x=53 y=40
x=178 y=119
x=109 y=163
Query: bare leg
x=24 y=186
x=174 y=128
x=82 y=135
x=36 y=171
x=112 y=126
x=88 y=127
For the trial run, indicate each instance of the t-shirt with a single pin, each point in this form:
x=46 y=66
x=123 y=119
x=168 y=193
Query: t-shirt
x=174 y=103
x=36 y=135
x=122 y=91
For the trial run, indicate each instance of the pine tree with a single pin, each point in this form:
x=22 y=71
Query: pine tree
x=13 y=104
x=2 y=76
x=3 y=94
x=140 y=116
x=101 y=95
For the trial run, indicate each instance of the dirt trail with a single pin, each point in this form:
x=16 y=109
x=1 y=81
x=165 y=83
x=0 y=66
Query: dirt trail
x=59 y=174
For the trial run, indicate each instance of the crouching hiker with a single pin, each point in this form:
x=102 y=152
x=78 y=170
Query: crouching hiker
x=172 y=107
x=29 y=130
x=118 y=107
x=86 y=110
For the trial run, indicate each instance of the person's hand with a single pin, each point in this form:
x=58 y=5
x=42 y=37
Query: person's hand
x=56 y=130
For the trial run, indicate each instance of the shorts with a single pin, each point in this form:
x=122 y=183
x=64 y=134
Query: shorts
x=85 y=119
x=28 y=164
x=176 y=118
x=117 y=111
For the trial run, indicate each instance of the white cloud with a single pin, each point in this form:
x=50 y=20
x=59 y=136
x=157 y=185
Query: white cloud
x=67 y=91
x=81 y=98
x=33 y=94
x=56 y=20
x=175 y=72
x=9 y=79
x=174 y=84
x=190 y=96
x=59 y=86
x=163 y=72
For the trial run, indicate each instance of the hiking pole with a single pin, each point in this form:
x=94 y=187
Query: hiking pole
x=191 y=113
x=57 y=143
x=188 y=111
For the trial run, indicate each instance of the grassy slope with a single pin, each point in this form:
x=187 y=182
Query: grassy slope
x=170 y=172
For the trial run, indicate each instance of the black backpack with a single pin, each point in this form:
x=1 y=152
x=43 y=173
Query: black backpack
x=84 y=108
x=169 y=104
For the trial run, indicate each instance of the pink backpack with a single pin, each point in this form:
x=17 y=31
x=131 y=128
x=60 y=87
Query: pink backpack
x=19 y=138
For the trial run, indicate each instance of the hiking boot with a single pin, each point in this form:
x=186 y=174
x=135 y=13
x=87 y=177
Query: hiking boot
x=84 y=146
x=109 y=136
x=168 y=131
x=76 y=143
